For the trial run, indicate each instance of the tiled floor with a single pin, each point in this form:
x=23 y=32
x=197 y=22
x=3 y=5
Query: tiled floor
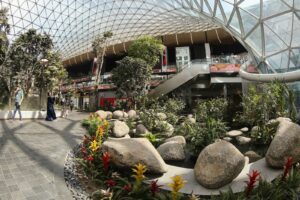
x=32 y=155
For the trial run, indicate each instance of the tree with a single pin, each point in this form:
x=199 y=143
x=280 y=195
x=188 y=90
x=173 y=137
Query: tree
x=147 y=48
x=54 y=73
x=5 y=73
x=99 y=47
x=131 y=76
x=25 y=55
x=4 y=30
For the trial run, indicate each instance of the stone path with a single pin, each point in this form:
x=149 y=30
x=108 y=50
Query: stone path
x=32 y=155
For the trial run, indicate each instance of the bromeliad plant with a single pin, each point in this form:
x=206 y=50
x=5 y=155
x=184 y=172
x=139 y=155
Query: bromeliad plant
x=94 y=124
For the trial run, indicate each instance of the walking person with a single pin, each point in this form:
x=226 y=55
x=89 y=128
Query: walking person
x=50 y=107
x=71 y=105
x=64 y=107
x=19 y=96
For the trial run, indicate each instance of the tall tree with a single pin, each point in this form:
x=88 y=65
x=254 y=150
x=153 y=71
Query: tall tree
x=25 y=57
x=147 y=48
x=54 y=73
x=5 y=73
x=131 y=76
x=99 y=48
x=4 y=31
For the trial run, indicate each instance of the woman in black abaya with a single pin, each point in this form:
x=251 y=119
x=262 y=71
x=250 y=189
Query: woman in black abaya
x=50 y=107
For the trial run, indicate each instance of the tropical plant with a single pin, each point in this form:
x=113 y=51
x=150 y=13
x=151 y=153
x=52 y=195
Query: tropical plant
x=131 y=76
x=5 y=84
x=93 y=123
x=199 y=135
x=147 y=48
x=213 y=108
x=54 y=73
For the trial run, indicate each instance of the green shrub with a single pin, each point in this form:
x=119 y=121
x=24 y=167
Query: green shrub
x=212 y=108
x=199 y=135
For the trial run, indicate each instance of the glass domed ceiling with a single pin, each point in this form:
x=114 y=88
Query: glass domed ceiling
x=269 y=29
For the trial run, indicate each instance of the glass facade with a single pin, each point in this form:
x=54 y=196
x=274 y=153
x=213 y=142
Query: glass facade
x=269 y=29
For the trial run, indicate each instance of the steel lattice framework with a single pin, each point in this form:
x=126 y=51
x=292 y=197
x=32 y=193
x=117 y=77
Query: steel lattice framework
x=269 y=29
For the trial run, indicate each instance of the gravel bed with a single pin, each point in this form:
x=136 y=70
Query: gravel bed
x=71 y=179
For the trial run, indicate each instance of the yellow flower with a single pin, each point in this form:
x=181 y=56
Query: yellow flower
x=105 y=123
x=177 y=184
x=100 y=132
x=94 y=146
x=139 y=171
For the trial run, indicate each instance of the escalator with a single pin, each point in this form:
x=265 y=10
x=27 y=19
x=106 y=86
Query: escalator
x=189 y=72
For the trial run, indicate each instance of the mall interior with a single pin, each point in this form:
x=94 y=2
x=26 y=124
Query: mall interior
x=240 y=54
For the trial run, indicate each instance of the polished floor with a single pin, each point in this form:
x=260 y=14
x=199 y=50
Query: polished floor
x=32 y=155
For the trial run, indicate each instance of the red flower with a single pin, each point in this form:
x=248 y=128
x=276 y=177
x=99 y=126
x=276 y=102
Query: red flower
x=154 y=188
x=83 y=151
x=253 y=177
x=105 y=160
x=90 y=158
x=287 y=167
x=127 y=187
x=110 y=183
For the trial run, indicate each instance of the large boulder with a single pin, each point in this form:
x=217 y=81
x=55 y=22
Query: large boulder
x=171 y=151
x=126 y=153
x=179 y=139
x=120 y=129
x=102 y=114
x=141 y=130
x=118 y=114
x=131 y=114
x=285 y=143
x=218 y=164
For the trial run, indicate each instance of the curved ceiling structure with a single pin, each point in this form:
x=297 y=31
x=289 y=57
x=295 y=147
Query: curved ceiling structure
x=269 y=29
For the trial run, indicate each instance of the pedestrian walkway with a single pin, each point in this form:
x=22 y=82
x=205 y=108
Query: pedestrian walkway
x=32 y=155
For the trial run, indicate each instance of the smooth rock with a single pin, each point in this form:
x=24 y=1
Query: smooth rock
x=168 y=128
x=118 y=114
x=254 y=129
x=285 y=143
x=190 y=120
x=161 y=116
x=228 y=139
x=171 y=151
x=244 y=130
x=253 y=156
x=131 y=114
x=141 y=130
x=234 y=133
x=126 y=153
x=179 y=139
x=279 y=119
x=272 y=121
x=120 y=129
x=109 y=115
x=218 y=164
x=190 y=116
x=243 y=140
x=102 y=114
x=125 y=115
x=114 y=138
